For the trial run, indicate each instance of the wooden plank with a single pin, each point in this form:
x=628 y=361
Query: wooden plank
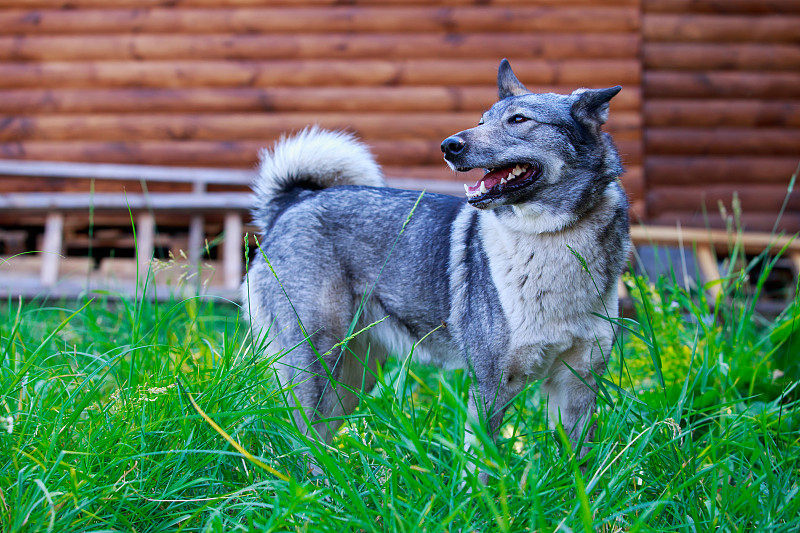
x=292 y=73
x=727 y=112
x=720 y=84
x=727 y=56
x=320 y=19
x=719 y=141
x=727 y=28
x=148 y=47
x=249 y=126
x=274 y=99
x=752 y=7
x=51 y=248
x=682 y=170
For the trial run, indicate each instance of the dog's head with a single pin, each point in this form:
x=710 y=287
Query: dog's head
x=543 y=152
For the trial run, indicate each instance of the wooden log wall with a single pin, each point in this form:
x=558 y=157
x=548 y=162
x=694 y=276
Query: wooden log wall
x=721 y=85
x=208 y=82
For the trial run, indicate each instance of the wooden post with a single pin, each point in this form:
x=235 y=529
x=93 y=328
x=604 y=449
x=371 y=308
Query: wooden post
x=145 y=242
x=232 y=251
x=794 y=256
x=709 y=268
x=196 y=230
x=51 y=257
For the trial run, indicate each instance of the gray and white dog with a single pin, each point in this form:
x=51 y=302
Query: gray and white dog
x=499 y=270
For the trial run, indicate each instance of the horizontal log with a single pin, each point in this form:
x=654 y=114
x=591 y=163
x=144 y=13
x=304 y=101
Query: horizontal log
x=141 y=4
x=317 y=46
x=633 y=182
x=683 y=170
x=765 y=198
x=728 y=112
x=670 y=84
x=226 y=154
x=255 y=126
x=278 y=99
x=175 y=74
x=705 y=56
x=320 y=19
x=726 y=7
x=722 y=141
x=756 y=221
x=728 y=28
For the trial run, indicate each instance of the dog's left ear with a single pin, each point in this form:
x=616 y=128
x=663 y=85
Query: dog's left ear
x=591 y=106
x=507 y=82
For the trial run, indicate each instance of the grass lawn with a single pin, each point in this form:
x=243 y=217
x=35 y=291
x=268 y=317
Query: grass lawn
x=130 y=415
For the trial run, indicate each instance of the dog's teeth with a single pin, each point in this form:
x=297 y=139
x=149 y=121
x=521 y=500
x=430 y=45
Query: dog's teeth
x=511 y=175
x=466 y=189
x=517 y=171
x=503 y=181
x=484 y=190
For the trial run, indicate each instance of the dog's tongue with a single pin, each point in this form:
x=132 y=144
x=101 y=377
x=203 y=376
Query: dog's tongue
x=491 y=179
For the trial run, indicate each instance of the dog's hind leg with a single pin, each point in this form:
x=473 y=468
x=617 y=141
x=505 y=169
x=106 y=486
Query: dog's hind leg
x=324 y=384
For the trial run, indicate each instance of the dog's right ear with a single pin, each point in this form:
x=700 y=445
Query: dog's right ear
x=507 y=82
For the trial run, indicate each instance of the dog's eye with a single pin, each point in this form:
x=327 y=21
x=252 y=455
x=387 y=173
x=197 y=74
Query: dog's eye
x=518 y=119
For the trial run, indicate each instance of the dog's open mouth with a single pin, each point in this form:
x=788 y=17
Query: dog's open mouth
x=496 y=181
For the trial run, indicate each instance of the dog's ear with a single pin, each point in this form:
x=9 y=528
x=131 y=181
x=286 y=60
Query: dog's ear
x=507 y=82
x=590 y=107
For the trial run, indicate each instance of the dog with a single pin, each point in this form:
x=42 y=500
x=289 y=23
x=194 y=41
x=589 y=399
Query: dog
x=516 y=282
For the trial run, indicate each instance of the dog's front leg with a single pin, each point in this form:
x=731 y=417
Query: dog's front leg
x=571 y=394
x=489 y=398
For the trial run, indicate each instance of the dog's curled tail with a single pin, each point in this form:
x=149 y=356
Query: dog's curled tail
x=312 y=159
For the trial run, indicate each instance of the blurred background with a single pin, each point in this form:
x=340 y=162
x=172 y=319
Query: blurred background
x=710 y=106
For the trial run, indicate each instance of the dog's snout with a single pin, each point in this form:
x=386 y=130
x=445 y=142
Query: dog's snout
x=453 y=145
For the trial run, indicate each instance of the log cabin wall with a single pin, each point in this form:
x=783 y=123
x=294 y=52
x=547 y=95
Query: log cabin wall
x=721 y=109
x=209 y=82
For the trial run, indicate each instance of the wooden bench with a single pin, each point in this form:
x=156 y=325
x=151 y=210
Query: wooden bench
x=709 y=244
x=198 y=204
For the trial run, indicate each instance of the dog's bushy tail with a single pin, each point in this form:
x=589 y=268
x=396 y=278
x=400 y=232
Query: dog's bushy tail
x=312 y=159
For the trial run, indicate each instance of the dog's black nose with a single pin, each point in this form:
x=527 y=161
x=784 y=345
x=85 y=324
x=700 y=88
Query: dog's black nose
x=453 y=145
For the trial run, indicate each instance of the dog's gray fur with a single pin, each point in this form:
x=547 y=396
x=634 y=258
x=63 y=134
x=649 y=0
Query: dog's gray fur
x=499 y=271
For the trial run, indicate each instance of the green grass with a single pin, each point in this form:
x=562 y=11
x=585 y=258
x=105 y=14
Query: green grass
x=699 y=429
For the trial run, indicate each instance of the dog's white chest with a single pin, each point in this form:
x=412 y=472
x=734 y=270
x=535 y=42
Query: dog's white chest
x=546 y=293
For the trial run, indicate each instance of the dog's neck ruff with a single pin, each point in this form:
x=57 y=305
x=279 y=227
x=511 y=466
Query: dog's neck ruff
x=534 y=219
